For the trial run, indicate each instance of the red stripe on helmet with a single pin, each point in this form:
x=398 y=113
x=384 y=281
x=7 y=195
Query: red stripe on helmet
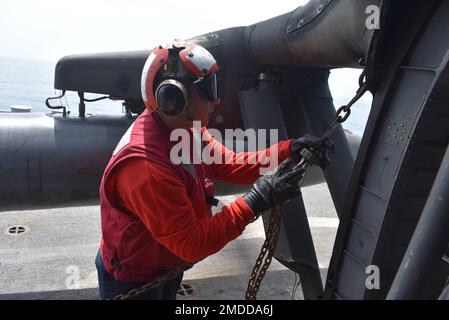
x=158 y=62
x=192 y=67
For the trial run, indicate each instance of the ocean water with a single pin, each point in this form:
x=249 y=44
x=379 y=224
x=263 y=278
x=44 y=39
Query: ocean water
x=30 y=82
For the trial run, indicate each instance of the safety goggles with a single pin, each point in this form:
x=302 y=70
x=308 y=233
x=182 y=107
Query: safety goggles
x=208 y=86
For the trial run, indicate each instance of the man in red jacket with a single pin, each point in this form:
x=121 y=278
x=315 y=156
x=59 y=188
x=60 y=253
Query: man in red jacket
x=156 y=215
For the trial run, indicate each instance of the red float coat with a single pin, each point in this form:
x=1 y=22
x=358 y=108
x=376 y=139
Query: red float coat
x=154 y=214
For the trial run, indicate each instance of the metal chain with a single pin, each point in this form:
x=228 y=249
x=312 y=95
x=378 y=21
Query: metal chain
x=266 y=254
x=340 y=117
x=272 y=233
x=153 y=284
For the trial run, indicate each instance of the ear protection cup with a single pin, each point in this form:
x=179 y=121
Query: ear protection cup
x=171 y=97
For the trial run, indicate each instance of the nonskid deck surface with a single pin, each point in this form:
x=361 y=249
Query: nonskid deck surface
x=54 y=257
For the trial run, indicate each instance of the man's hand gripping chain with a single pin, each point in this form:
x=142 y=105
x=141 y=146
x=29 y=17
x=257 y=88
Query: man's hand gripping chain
x=309 y=156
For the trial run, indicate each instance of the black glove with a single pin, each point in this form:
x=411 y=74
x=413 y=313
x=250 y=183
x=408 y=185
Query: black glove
x=270 y=190
x=312 y=144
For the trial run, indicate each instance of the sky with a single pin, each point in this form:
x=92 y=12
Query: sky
x=51 y=29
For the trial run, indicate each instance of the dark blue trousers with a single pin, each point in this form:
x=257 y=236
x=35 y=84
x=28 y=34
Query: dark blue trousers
x=109 y=287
